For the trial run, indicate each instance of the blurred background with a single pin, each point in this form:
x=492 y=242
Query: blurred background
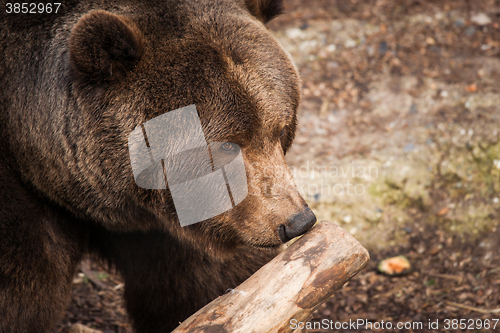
x=399 y=143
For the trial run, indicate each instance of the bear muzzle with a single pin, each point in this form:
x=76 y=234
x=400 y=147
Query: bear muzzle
x=297 y=225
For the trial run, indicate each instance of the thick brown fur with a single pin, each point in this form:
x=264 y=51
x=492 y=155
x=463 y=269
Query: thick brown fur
x=73 y=86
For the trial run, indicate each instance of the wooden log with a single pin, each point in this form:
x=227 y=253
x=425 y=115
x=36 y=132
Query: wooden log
x=291 y=286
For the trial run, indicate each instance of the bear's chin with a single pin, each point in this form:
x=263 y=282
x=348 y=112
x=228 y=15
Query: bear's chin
x=265 y=245
x=218 y=246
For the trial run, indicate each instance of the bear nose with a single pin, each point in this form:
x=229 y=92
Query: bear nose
x=297 y=225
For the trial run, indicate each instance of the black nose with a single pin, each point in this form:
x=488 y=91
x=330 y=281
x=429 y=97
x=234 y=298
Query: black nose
x=297 y=225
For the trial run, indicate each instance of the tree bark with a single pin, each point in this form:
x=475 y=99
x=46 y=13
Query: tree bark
x=291 y=286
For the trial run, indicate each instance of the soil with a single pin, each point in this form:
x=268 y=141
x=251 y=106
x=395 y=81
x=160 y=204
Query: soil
x=399 y=143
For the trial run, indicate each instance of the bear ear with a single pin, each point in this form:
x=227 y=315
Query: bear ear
x=104 y=46
x=265 y=10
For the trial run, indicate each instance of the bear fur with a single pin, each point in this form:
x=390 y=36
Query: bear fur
x=73 y=86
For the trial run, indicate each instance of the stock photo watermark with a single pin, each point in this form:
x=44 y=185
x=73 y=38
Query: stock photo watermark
x=314 y=180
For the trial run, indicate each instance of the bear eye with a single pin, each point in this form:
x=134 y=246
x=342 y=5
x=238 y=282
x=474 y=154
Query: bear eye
x=228 y=146
x=282 y=132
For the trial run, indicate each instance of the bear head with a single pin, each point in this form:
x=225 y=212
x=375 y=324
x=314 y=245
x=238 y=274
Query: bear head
x=123 y=66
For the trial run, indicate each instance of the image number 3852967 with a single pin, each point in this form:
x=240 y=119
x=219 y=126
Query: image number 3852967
x=32 y=7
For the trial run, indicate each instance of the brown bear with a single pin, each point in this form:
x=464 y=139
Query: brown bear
x=73 y=85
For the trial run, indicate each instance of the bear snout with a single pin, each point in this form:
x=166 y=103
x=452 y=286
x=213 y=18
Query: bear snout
x=297 y=225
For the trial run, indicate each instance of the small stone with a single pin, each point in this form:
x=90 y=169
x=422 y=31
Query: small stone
x=331 y=48
x=459 y=23
x=294 y=33
x=408 y=230
x=409 y=147
x=382 y=47
x=347 y=219
x=78 y=280
x=470 y=31
x=496 y=163
x=332 y=64
x=481 y=19
x=350 y=43
x=323 y=54
x=413 y=108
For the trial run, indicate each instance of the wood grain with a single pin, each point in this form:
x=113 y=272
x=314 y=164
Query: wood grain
x=291 y=286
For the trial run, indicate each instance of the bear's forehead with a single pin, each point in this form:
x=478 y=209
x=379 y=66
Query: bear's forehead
x=249 y=80
x=217 y=56
x=246 y=95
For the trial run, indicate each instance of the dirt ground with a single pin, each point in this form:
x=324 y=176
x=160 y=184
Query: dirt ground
x=399 y=143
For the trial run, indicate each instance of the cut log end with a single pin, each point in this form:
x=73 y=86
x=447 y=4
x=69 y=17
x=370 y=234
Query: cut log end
x=291 y=286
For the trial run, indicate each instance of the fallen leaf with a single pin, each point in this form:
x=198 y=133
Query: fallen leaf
x=394 y=266
x=443 y=211
x=471 y=88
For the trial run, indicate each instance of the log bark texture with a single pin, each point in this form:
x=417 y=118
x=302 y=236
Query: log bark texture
x=291 y=286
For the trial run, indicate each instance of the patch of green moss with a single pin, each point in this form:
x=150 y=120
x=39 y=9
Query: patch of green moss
x=405 y=184
x=464 y=180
